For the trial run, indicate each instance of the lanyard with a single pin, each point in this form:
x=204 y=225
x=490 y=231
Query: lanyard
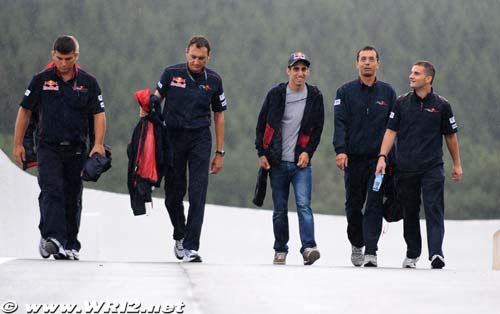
x=203 y=87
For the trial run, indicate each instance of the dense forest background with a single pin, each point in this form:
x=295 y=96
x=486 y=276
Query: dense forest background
x=126 y=44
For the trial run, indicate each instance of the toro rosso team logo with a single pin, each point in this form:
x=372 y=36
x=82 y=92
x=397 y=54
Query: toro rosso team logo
x=80 y=88
x=431 y=110
x=50 y=85
x=178 y=82
x=381 y=103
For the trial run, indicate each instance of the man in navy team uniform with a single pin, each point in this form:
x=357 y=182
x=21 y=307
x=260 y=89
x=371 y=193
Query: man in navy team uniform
x=419 y=121
x=361 y=111
x=191 y=91
x=65 y=97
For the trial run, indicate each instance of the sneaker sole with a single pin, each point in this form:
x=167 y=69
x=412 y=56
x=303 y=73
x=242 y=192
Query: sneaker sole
x=194 y=260
x=370 y=264
x=356 y=263
x=60 y=256
x=51 y=248
x=313 y=257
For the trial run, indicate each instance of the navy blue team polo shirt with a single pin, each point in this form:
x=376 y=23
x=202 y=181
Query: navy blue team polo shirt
x=421 y=124
x=65 y=107
x=189 y=98
x=361 y=114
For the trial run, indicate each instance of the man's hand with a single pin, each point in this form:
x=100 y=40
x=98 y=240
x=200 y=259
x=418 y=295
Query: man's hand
x=303 y=160
x=19 y=154
x=264 y=163
x=142 y=113
x=98 y=148
x=216 y=164
x=380 y=166
x=341 y=160
x=456 y=173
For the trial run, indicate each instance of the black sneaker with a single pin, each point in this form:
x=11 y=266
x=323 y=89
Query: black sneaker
x=437 y=262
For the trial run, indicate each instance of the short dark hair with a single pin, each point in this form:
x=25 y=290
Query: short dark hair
x=66 y=44
x=429 y=68
x=200 y=42
x=367 y=48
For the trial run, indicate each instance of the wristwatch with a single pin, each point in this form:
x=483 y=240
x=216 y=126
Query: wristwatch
x=220 y=152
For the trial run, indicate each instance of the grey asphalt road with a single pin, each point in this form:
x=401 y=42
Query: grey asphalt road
x=128 y=260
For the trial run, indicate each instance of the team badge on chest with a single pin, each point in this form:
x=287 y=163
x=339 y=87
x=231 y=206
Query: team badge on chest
x=178 y=82
x=50 y=85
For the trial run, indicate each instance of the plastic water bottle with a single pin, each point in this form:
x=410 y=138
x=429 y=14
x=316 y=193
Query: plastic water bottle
x=377 y=182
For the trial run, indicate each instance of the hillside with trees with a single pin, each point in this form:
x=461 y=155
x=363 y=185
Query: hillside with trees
x=126 y=45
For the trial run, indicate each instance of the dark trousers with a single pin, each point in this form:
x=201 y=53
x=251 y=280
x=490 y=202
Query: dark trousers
x=60 y=196
x=191 y=152
x=430 y=185
x=363 y=229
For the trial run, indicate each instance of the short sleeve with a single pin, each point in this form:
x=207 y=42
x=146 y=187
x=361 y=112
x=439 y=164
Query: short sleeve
x=96 y=100
x=32 y=93
x=163 y=83
x=448 y=123
x=395 y=117
x=219 y=102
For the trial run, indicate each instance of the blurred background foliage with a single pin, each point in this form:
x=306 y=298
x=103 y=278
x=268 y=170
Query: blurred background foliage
x=126 y=44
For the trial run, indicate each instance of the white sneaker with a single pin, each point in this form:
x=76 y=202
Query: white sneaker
x=191 y=256
x=370 y=261
x=73 y=255
x=357 y=257
x=69 y=254
x=41 y=249
x=410 y=262
x=179 y=249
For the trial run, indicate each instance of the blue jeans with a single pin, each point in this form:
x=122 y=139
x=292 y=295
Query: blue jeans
x=301 y=179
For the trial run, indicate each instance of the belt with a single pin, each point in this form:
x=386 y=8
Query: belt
x=69 y=143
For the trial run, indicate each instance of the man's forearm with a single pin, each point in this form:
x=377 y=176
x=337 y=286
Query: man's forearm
x=452 y=144
x=388 y=141
x=99 y=128
x=219 y=130
x=22 y=121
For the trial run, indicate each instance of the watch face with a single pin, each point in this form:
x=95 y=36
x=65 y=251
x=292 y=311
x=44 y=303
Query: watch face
x=221 y=152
